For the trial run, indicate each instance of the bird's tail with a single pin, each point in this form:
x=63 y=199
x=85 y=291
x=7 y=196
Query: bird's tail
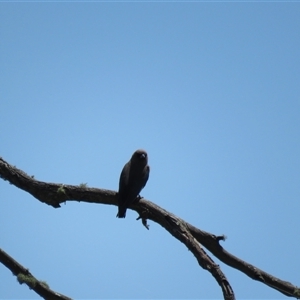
x=122 y=212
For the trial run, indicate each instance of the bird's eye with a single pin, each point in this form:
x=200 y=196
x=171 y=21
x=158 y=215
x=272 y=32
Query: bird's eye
x=142 y=155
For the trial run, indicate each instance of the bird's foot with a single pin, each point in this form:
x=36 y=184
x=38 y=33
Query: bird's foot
x=137 y=199
x=144 y=221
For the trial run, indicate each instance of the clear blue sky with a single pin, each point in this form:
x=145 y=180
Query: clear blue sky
x=210 y=90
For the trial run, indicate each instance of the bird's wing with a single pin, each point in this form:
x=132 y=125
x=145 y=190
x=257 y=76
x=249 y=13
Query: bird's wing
x=124 y=178
x=146 y=176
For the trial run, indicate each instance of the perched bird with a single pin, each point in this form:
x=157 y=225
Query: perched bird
x=132 y=180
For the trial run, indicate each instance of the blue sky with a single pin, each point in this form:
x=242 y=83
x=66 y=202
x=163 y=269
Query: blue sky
x=210 y=90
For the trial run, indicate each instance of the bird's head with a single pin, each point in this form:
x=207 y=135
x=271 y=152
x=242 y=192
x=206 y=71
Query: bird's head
x=140 y=156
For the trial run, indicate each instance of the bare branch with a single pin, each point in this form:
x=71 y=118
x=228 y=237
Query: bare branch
x=24 y=276
x=211 y=242
x=54 y=194
x=151 y=211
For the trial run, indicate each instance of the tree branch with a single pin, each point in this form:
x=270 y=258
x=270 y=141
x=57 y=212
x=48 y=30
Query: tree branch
x=151 y=211
x=24 y=276
x=54 y=194
x=211 y=242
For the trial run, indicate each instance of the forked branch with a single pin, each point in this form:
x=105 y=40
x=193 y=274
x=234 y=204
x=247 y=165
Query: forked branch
x=55 y=194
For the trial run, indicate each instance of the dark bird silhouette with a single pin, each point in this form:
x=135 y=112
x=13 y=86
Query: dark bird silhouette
x=133 y=178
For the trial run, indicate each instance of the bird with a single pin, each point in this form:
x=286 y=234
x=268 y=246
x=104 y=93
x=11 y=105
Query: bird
x=133 y=179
